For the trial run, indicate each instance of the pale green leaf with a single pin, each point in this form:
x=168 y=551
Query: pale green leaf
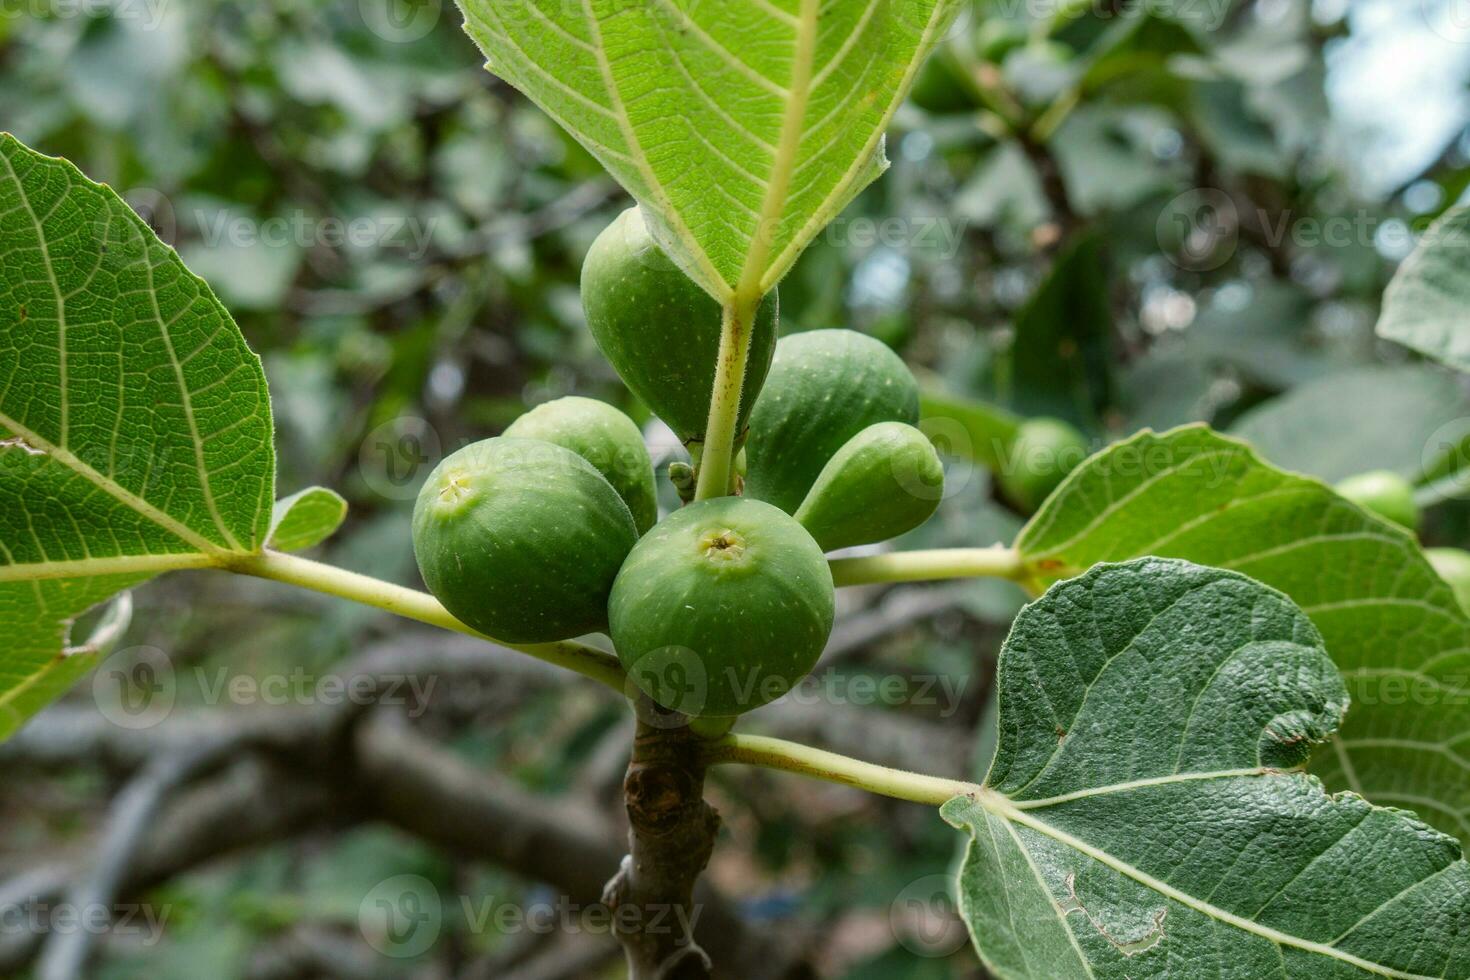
x=1142 y=817
x=741 y=128
x=306 y=519
x=135 y=430
x=1427 y=306
x=1391 y=624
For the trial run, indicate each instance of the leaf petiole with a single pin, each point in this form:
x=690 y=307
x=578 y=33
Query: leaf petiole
x=924 y=566
x=775 y=753
x=718 y=452
x=412 y=604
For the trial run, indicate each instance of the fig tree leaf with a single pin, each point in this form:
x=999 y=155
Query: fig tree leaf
x=1427 y=305
x=1144 y=816
x=741 y=128
x=1351 y=422
x=135 y=427
x=306 y=519
x=1391 y=624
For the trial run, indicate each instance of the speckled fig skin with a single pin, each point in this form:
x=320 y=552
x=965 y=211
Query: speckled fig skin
x=604 y=437
x=721 y=608
x=885 y=481
x=825 y=387
x=661 y=331
x=521 y=539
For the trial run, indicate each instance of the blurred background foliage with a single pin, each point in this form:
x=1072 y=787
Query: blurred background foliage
x=1125 y=214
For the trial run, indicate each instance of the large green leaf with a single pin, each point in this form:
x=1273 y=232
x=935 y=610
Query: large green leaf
x=1427 y=306
x=1142 y=817
x=1350 y=422
x=742 y=128
x=1391 y=624
x=135 y=428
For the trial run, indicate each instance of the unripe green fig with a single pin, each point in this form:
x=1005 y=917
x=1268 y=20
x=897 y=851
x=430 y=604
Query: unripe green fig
x=1453 y=565
x=521 y=539
x=723 y=607
x=825 y=387
x=1041 y=455
x=886 y=481
x=604 y=437
x=1386 y=494
x=941 y=86
x=661 y=331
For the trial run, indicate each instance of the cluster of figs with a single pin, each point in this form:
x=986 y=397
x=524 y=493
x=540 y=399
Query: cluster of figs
x=551 y=530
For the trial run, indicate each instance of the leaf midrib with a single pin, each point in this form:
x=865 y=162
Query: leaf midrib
x=1004 y=808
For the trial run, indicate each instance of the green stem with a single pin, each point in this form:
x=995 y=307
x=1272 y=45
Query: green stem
x=718 y=454
x=412 y=604
x=925 y=566
x=775 y=753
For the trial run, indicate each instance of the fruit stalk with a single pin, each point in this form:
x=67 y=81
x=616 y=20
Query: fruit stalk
x=718 y=453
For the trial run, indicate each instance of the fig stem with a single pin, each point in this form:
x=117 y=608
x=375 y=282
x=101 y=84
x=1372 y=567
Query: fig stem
x=718 y=456
x=775 y=753
x=412 y=604
x=923 y=566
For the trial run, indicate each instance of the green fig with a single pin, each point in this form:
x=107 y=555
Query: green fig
x=661 y=331
x=604 y=437
x=722 y=607
x=825 y=387
x=1453 y=565
x=1040 y=456
x=1386 y=494
x=521 y=539
x=886 y=481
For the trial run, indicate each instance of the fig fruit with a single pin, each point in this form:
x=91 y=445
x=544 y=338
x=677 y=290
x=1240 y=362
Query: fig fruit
x=723 y=607
x=521 y=539
x=661 y=331
x=1041 y=455
x=604 y=437
x=1453 y=565
x=1386 y=494
x=886 y=481
x=825 y=387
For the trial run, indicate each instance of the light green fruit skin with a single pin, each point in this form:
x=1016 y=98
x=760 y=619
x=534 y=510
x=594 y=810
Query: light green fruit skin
x=521 y=539
x=886 y=481
x=1041 y=455
x=1453 y=565
x=604 y=437
x=1386 y=494
x=661 y=331
x=825 y=387
x=710 y=633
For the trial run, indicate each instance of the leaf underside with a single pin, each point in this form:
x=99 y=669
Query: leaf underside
x=1139 y=821
x=742 y=128
x=135 y=429
x=1427 y=306
x=1391 y=624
